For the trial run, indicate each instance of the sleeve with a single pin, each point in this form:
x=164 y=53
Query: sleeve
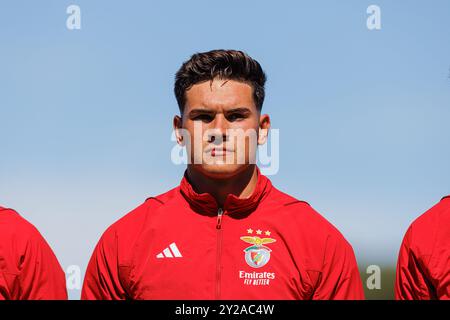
x=339 y=278
x=102 y=280
x=411 y=280
x=8 y=283
x=41 y=276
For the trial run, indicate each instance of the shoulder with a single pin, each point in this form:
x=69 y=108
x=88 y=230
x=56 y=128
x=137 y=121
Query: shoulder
x=305 y=221
x=316 y=242
x=138 y=218
x=14 y=227
x=19 y=241
x=434 y=218
x=430 y=227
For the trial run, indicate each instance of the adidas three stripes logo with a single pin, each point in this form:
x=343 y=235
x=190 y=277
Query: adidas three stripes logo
x=170 y=252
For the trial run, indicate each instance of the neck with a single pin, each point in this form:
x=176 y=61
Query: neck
x=241 y=185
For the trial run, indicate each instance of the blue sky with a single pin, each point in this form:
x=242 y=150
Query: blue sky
x=86 y=114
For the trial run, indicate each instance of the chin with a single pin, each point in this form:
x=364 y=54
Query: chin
x=221 y=171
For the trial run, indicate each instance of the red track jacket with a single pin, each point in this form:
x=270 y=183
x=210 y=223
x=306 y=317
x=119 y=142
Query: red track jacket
x=423 y=268
x=28 y=268
x=180 y=245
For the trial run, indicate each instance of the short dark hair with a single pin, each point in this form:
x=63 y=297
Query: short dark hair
x=222 y=64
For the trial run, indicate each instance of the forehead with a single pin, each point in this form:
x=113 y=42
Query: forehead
x=219 y=94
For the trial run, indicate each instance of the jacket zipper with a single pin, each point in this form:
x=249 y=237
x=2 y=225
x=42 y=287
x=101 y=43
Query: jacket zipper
x=219 y=252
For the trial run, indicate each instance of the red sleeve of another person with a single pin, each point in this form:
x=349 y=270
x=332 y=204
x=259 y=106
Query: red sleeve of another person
x=29 y=268
x=411 y=278
x=423 y=268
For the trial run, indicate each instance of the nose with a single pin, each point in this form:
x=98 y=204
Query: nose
x=218 y=132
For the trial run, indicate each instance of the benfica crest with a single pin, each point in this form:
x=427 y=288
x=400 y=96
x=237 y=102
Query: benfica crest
x=258 y=254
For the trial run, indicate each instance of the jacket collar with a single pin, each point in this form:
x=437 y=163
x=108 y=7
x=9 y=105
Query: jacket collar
x=205 y=203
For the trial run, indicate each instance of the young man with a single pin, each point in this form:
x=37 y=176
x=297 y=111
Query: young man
x=28 y=268
x=423 y=267
x=225 y=232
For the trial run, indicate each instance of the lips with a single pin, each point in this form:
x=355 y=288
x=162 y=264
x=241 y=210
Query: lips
x=218 y=152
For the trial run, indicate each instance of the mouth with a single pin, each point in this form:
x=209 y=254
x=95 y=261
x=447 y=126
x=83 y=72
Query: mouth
x=220 y=152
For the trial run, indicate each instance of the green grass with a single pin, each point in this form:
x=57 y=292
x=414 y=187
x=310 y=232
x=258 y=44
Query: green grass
x=387 y=284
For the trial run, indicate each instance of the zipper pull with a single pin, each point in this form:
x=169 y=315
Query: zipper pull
x=219 y=218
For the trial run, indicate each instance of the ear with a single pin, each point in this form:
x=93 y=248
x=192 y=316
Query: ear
x=178 y=127
x=264 y=127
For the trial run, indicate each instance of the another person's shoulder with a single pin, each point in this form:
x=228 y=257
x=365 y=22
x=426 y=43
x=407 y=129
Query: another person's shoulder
x=424 y=231
x=434 y=218
x=16 y=228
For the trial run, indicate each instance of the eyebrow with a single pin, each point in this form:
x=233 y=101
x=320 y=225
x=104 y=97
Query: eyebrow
x=195 y=112
x=201 y=111
x=241 y=109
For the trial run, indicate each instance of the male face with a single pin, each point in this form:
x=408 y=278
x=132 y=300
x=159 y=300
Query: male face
x=224 y=127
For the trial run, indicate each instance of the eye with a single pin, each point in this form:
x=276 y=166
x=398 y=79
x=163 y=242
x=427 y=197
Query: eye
x=235 y=116
x=203 y=117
